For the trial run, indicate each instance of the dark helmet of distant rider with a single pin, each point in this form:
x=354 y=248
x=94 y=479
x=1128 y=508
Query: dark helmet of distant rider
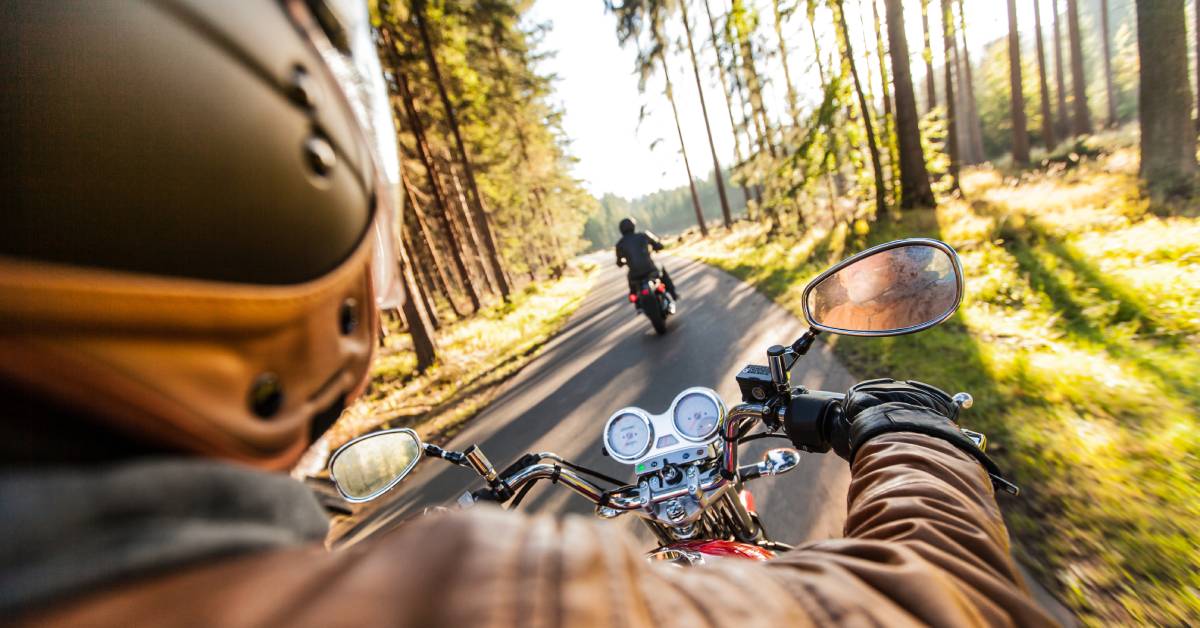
x=628 y=225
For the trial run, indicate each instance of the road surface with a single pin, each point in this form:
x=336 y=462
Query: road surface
x=606 y=358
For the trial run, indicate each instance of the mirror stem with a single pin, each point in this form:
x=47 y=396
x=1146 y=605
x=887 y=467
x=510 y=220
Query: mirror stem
x=805 y=342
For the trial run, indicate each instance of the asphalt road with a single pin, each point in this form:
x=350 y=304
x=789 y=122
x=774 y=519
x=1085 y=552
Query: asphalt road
x=607 y=358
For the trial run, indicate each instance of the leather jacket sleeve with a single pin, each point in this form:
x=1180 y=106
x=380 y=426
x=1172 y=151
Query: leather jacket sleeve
x=924 y=544
x=620 y=255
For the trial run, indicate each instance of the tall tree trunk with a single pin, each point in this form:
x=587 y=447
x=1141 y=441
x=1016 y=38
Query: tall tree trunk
x=877 y=165
x=1105 y=37
x=1020 y=147
x=973 y=126
x=835 y=139
x=888 y=128
x=914 y=177
x=1196 y=11
x=422 y=283
x=717 y=173
x=426 y=157
x=493 y=254
x=792 y=100
x=441 y=276
x=682 y=147
x=417 y=319
x=754 y=85
x=948 y=46
x=1168 y=144
x=927 y=55
x=1047 y=118
x=737 y=142
x=1063 y=126
x=466 y=224
x=1081 y=121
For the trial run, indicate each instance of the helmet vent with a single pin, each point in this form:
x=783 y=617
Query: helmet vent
x=266 y=395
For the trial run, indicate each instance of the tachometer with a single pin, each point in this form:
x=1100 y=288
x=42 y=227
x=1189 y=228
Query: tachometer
x=628 y=435
x=697 y=416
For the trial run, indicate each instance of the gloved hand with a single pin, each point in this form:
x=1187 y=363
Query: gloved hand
x=880 y=406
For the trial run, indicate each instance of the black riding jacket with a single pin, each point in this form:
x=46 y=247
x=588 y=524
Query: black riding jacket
x=633 y=250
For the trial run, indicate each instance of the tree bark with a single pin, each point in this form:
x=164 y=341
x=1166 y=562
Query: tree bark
x=914 y=177
x=888 y=127
x=419 y=326
x=441 y=276
x=464 y=220
x=426 y=157
x=717 y=173
x=1196 y=11
x=1063 y=126
x=792 y=100
x=682 y=147
x=1081 y=121
x=1020 y=147
x=973 y=126
x=949 y=51
x=421 y=277
x=1047 y=118
x=1109 y=92
x=877 y=165
x=493 y=254
x=754 y=87
x=927 y=55
x=737 y=141
x=1168 y=144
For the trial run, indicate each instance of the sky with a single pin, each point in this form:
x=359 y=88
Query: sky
x=598 y=91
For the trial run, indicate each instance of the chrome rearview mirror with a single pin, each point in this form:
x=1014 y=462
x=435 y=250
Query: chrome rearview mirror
x=892 y=289
x=778 y=461
x=370 y=465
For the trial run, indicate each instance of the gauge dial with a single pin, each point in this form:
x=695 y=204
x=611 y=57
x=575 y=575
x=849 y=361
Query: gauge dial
x=696 y=416
x=628 y=436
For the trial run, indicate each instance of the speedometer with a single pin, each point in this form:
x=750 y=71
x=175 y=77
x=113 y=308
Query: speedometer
x=697 y=416
x=628 y=435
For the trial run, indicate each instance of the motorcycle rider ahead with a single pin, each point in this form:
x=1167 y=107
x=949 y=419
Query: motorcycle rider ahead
x=634 y=251
x=186 y=301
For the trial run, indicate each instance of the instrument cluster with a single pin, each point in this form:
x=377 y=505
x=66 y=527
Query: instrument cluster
x=684 y=431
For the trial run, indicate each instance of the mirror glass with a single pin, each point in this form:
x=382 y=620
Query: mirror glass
x=365 y=468
x=889 y=291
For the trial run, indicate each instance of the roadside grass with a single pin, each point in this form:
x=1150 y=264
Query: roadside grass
x=1078 y=338
x=476 y=354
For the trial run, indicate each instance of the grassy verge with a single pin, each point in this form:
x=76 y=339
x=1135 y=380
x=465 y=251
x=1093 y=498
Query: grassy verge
x=1079 y=340
x=476 y=355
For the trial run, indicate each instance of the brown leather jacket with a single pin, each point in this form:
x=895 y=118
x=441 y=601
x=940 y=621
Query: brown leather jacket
x=924 y=544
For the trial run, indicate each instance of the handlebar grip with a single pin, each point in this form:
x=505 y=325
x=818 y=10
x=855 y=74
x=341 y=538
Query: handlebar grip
x=808 y=418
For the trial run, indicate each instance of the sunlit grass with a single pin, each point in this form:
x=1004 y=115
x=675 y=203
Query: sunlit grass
x=1079 y=340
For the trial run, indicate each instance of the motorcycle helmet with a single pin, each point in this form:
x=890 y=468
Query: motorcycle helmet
x=628 y=225
x=194 y=204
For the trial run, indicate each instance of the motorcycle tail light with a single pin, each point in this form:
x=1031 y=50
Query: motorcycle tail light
x=633 y=298
x=645 y=292
x=661 y=288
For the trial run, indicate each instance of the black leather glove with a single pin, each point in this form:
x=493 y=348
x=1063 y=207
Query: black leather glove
x=880 y=406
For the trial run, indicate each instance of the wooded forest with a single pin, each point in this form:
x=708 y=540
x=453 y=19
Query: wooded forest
x=1066 y=146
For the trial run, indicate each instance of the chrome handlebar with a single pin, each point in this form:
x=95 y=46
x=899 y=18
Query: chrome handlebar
x=638 y=497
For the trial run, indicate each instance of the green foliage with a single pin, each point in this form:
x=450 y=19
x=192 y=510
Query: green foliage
x=513 y=133
x=1077 y=338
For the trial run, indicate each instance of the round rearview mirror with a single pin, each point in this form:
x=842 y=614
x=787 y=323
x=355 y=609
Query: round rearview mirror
x=369 y=465
x=892 y=289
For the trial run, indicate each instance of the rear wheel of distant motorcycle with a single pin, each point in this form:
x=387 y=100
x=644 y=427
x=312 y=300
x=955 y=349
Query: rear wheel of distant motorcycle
x=655 y=314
